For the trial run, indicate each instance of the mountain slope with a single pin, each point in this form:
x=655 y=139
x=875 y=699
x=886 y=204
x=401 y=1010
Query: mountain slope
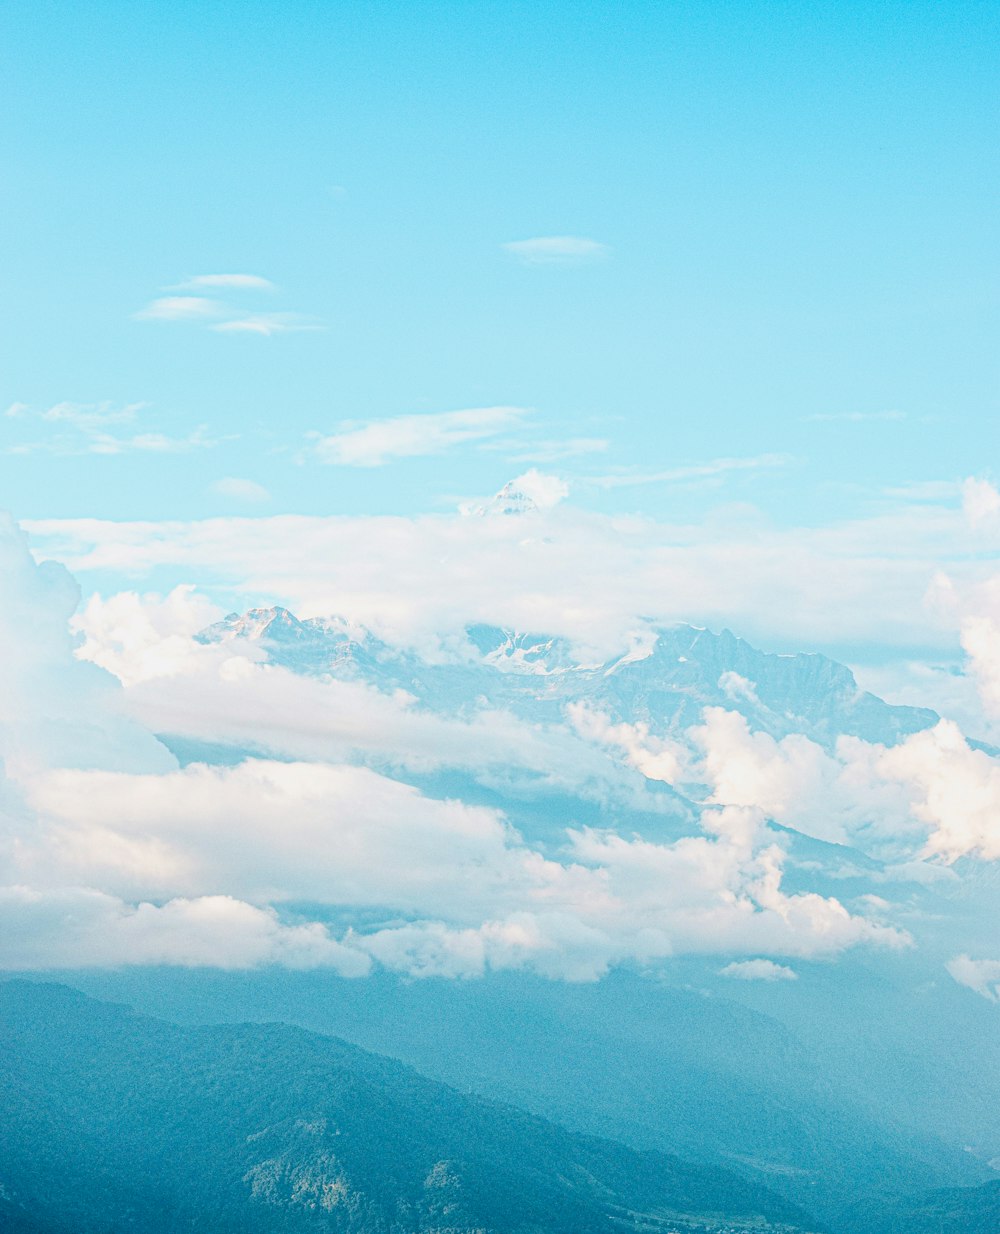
x=666 y=683
x=954 y=1210
x=116 y=1122
x=632 y=1058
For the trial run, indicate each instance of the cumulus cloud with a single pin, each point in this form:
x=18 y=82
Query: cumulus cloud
x=981 y=643
x=556 y=250
x=110 y=853
x=544 y=490
x=55 y=711
x=224 y=694
x=983 y=976
x=379 y=442
x=931 y=797
x=528 y=493
x=139 y=638
x=956 y=791
x=80 y=927
x=657 y=758
x=471 y=891
x=981 y=502
x=758 y=970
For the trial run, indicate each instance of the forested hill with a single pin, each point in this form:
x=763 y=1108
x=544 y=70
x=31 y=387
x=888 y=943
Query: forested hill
x=116 y=1122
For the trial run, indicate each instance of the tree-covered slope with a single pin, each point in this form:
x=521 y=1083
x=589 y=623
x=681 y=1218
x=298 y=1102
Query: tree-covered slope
x=114 y=1122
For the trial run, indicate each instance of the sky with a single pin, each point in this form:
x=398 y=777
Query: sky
x=666 y=234
x=289 y=291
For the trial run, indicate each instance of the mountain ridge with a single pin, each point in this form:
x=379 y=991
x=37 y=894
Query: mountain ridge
x=665 y=680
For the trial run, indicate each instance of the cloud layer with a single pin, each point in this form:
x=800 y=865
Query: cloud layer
x=111 y=853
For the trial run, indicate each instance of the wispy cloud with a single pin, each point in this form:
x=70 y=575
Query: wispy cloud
x=152 y=443
x=91 y=416
x=377 y=443
x=699 y=471
x=179 y=308
x=223 y=316
x=83 y=428
x=556 y=250
x=550 y=451
x=853 y=417
x=237 y=282
x=266 y=324
x=237 y=489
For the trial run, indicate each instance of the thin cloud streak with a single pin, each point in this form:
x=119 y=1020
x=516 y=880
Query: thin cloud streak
x=381 y=441
x=237 y=282
x=698 y=471
x=556 y=250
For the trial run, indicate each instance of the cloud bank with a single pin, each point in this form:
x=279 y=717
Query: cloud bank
x=111 y=853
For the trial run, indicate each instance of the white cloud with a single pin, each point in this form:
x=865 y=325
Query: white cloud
x=737 y=688
x=266 y=324
x=956 y=789
x=972 y=605
x=856 y=417
x=544 y=490
x=553 y=451
x=983 y=976
x=235 y=282
x=180 y=308
x=224 y=316
x=379 y=442
x=556 y=250
x=981 y=643
x=238 y=489
x=55 y=711
x=79 y=927
x=110 y=854
x=83 y=428
x=150 y=443
x=657 y=758
x=981 y=502
x=931 y=796
x=140 y=638
x=272 y=833
x=696 y=472
x=590 y=577
x=216 y=694
x=758 y=970
x=91 y=416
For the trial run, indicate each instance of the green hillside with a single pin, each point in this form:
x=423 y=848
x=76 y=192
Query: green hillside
x=116 y=1122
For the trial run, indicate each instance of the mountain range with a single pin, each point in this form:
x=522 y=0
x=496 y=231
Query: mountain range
x=666 y=680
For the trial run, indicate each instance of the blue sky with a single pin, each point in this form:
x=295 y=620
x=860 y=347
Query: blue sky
x=290 y=290
x=791 y=213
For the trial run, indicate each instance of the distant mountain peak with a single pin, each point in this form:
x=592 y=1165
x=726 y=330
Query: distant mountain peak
x=530 y=493
x=255 y=623
x=510 y=501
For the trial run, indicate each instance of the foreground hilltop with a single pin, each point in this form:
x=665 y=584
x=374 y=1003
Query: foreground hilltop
x=118 y=1122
